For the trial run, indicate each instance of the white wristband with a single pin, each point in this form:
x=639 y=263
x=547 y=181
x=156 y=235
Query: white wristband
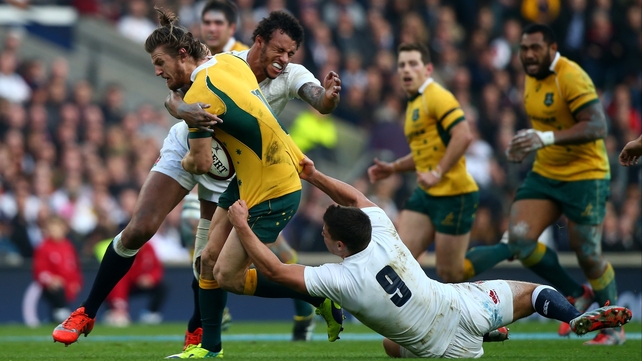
x=547 y=138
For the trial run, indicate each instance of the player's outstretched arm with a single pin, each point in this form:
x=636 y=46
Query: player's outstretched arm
x=324 y=99
x=265 y=261
x=631 y=153
x=194 y=115
x=340 y=192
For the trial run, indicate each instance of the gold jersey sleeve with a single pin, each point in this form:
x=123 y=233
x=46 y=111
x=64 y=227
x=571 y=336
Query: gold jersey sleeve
x=551 y=105
x=264 y=156
x=429 y=117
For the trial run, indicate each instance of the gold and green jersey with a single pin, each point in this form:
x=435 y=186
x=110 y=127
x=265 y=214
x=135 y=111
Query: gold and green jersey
x=429 y=117
x=551 y=104
x=264 y=156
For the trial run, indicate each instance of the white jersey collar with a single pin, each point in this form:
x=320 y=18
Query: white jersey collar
x=206 y=64
x=554 y=63
x=425 y=85
x=230 y=43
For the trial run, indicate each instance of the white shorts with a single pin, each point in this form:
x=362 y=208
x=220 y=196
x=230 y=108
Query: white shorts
x=486 y=306
x=174 y=149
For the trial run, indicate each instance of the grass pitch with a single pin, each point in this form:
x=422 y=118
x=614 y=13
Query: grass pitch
x=268 y=341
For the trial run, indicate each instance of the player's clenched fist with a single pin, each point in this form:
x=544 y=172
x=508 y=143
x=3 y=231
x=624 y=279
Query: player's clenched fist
x=631 y=152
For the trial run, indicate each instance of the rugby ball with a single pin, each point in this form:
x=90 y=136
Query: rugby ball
x=222 y=166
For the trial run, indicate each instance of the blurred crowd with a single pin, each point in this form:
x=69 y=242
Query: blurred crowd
x=74 y=151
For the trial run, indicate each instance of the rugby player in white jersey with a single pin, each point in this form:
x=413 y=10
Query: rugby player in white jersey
x=275 y=43
x=381 y=284
x=168 y=183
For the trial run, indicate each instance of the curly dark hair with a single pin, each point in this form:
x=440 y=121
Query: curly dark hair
x=279 y=20
x=173 y=37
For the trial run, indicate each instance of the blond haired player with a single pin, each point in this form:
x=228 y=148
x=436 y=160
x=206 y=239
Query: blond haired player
x=570 y=177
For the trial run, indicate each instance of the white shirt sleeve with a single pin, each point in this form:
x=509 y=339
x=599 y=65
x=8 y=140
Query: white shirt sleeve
x=299 y=75
x=324 y=281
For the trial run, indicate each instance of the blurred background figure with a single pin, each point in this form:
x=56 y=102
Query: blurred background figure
x=145 y=278
x=56 y=268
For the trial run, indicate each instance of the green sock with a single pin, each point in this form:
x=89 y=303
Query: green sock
x=302 y=308
x=604 y=287
x=544 y=262
x=268 y=289
x=485 y=257
x=213 y=303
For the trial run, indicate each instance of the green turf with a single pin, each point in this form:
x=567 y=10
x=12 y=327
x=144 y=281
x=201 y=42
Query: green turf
x=86 y=349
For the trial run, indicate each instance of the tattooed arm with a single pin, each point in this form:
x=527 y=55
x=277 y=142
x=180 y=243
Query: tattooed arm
x=590 y=126
x=324 y=99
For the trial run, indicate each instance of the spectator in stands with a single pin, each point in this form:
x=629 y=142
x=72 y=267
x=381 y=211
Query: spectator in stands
x=56 y=268
x=12 y=86
x=144 y=278
x=315 y=134
x=136 y=25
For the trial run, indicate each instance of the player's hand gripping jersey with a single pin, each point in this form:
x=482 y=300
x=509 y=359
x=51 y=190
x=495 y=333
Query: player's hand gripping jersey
x=265 y=158
x=551 y=103
x=429 y=117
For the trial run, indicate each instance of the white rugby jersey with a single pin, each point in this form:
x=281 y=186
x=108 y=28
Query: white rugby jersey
x=279 y=91
x=386 y=289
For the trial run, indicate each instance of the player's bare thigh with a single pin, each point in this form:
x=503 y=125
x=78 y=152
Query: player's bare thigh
x=232 y=265
x=392 y=348
x=522 y=303
x=450 y=252
x=220 y=229
x=416 y=231
x=528 y=219
x=158 y=196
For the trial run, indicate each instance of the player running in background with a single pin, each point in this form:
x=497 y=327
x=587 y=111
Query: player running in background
x=381 y=284
x=218 y=25
x=570 y=177
x=631 y=153
x=271 y=36
x=266 y=163
x=442 y=207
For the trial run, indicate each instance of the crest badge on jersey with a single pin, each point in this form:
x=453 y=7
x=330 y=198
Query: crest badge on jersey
x=548 y=99
x=415 y=115
x=222 y=165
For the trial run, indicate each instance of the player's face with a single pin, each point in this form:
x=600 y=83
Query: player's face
x=276 y=54
x=169 y=68
x=412 y=71
x=536 y=55
x=216 y=30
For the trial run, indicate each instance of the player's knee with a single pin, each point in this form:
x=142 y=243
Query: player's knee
x=392 y=349
x=521 y=246
x=228 y=279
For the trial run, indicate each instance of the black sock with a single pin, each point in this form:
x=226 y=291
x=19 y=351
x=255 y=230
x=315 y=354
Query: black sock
x=268 y=289
x=195 y=320
x=112 y=269
x=551 y=304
